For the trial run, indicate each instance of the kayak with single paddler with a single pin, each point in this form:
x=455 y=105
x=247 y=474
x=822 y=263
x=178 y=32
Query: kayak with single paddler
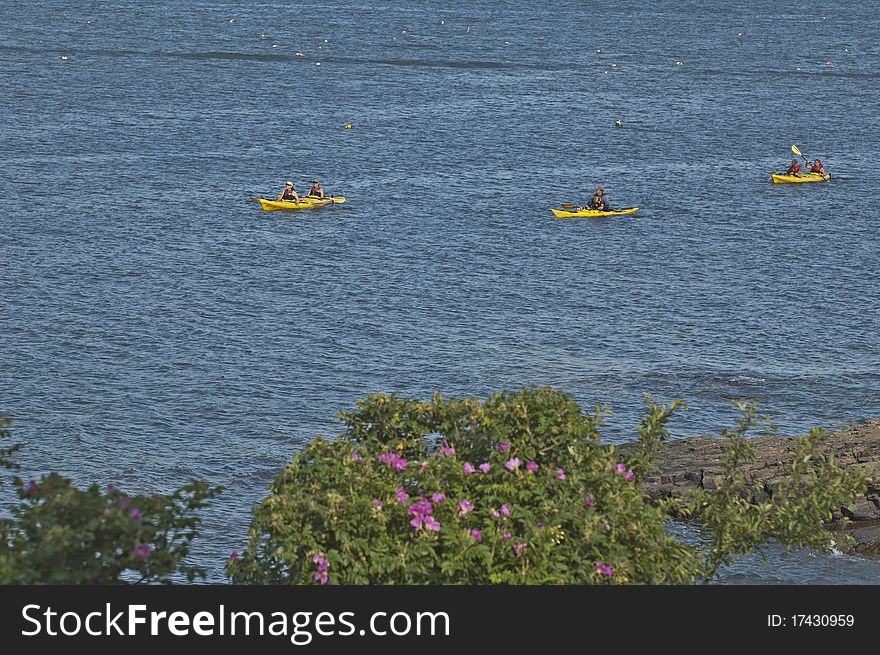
x=592 y=213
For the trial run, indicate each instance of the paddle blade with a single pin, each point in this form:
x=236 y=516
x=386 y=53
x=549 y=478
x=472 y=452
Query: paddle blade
x=795 y=150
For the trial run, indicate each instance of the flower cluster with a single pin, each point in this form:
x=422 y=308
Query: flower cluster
x=394 y=460
x=321 y=574
x=421 y=512
x=628 y=475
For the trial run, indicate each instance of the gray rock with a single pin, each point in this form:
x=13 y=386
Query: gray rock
x=688 y=464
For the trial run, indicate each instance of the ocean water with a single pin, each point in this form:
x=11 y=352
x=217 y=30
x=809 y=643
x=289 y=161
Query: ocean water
x=157 y=327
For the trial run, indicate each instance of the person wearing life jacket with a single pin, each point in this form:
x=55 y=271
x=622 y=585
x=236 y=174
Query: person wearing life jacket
x=600 y=201
x=817 y=167
x=289 y=193
x=794 y=169
x=316 y=189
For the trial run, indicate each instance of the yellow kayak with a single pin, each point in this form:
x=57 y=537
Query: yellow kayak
x=779 y=178
x=305 y=202
x=592 y=213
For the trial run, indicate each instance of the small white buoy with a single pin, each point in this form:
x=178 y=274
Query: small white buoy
x=443 y=22
x=318 y=63
x=63 y=58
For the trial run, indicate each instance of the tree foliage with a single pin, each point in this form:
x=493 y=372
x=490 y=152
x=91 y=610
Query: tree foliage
x=59 y=534
x=6 y=452
x=516 y=490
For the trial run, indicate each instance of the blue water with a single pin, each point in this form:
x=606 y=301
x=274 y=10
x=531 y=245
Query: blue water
x=157 y=327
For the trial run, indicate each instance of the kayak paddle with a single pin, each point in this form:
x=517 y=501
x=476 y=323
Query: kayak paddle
x=796 y=151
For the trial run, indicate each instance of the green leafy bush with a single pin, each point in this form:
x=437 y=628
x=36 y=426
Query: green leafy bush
x=516 y=490
x=6 y=452
x=59 y=534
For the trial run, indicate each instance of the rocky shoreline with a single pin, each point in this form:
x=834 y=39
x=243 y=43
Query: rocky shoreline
x=695 y=462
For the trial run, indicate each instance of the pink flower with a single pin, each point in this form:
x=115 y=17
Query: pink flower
x=469 y=468
x=506 y=536
x=432 y=524
x=512 y=464
x=395 y=461
x=135 y=514
x=321 y=574
x=142 y=552
x=519 y=548
x=110 y=489
x=605 y=569
x=401 y=495
x=464 y=507
x=438 y=497
x=505 y=510
x=234 y=556
x=476 y=534
x=485 y=467
x=560 y=474
x=446 y=449
x=501 y=447
x=630 y=476
x=420 y=508
x=378 y=503
x=620 y=468
x=423 y=467
x=355 y=456
x=31 y=488
x=532 y=466
x=590 y=501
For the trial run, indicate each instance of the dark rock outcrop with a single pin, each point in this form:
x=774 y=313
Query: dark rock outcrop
x=696 y=462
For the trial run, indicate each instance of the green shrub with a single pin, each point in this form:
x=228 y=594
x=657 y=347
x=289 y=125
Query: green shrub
x=59 y=534
x=516 y=490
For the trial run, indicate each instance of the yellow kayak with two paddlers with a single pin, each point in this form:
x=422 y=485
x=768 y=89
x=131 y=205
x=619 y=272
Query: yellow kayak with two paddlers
x=305 y=202
x=787 y=178
x=784 y=178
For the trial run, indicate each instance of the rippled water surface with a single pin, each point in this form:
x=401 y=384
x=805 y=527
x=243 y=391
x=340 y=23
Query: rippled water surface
x=157 y=327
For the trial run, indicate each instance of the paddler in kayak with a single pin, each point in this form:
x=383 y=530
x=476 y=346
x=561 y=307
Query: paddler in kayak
x=794 y=169
x=316 y=189
x=817 y=167
x=289 y=193
x=600 y=201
